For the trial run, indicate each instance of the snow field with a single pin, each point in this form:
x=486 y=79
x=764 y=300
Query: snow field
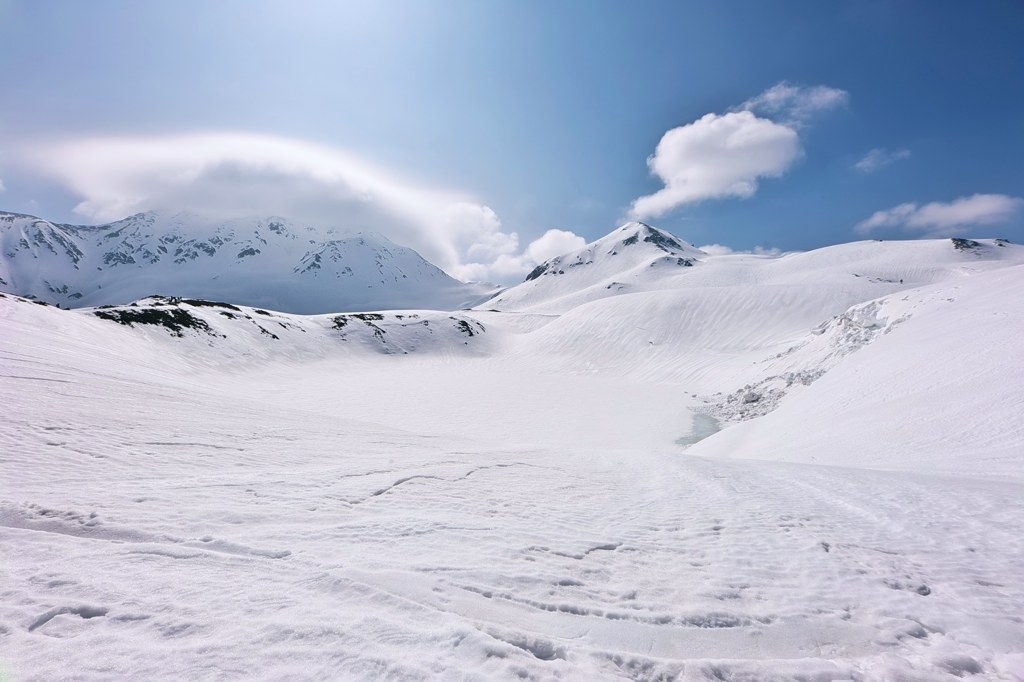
x=423 y=504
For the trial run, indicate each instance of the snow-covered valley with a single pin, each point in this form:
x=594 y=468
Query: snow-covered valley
x=212 y=491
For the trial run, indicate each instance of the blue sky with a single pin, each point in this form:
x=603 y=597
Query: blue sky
x=489 y=134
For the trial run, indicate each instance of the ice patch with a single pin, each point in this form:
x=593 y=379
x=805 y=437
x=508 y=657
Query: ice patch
x=704 y=425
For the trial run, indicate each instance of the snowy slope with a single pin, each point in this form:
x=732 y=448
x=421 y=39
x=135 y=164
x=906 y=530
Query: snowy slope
x=194 y=490
x=705 y=326
x=927 y=380
x=211 y=331
x=269 y=262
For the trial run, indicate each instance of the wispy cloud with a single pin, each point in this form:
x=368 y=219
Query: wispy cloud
x=3 y=188
x=880 y=158
x=795 y=104
x=237 y=174
x=725 y=155
x=722 y=250
x=939 y=219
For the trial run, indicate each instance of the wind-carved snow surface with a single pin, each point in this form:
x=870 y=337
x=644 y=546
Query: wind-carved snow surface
x=199 y=490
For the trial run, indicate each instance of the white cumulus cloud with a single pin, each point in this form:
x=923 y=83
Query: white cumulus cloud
x=939 y=219
x=795 y=104
x=511 y=265
x=240 y=174
x=725 y=155
x=473 y=233
x=554 y=243
x=880 y=158
x=717 y=156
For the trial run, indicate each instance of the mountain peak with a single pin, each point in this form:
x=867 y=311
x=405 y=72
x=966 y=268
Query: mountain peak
x=634 y=254
x=636 y=232
x=635 y=225
x=640 y=241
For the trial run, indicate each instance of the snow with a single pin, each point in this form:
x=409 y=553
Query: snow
x=266 y=262
x=278 y=496
x=957 y=412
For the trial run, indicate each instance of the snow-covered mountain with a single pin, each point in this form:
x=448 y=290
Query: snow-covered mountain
x=510 y=493
x=638 y=258
x=267 y=262
x=628 y=258
x=687 y=321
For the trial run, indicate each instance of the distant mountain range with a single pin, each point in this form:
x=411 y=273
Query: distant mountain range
x=267 y=262
x=285 y=266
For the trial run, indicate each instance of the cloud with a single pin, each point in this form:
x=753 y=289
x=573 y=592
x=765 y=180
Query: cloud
x=943 y=219
x=223 y=173
x=3 y=188
x=473 y=233
x=725 y=155
x=494 y=255
x=239 y=174
x=880 y=158
x=554 y=243
x=510 y=265
x=505 y=269
x=716 y=156
x=722 y=250
x=795 y=104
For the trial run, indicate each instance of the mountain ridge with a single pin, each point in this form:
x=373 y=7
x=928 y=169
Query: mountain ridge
x=269 y=262
x=637 y=258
